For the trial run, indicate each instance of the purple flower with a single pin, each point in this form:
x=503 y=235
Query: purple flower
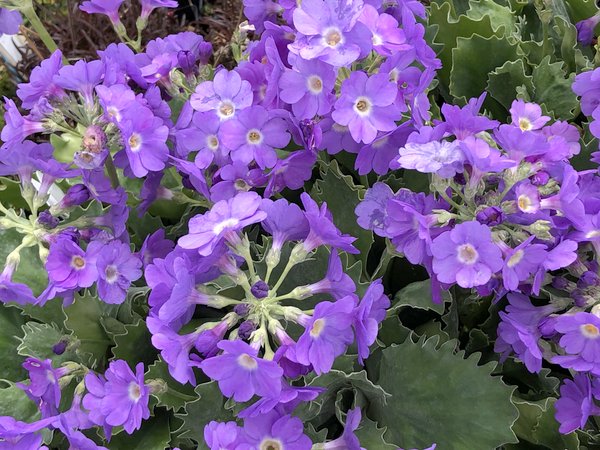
x=527 y=116
x=380 y=154
x=145 y=137
x=285 y=221
x=109 y=8
x=388 y=38
x=291 y=172
x=348 y=439
x=43 y=386
x=206 y=140
x=308 y=88
x=41 y=82
x=369 y=314
x=225 y=95
x=337 y=137
x=117 y=268
x=81 y=77
x=14 y=292
x=372 y=211
x=466 y=255
x=521 y=262
x=518 y=331
x=273 y=431
x=586 y=29
x=150 y=5
x=120 y=397
x=241 y=374
x=17 y=127
x=322 y=229
x=255 y=135
x=223 y=221
x=327 y=334
x=440 y=157
x=336 y=282
x=115 y=100
x=260 y=11
x=586 y=86
x=366 y=106
x=69 y=266
x=10 y=21
x=580 y=340
x=330 y=31
x=575 y=404
x=219 y=435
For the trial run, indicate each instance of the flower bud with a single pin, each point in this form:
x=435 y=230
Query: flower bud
x=260 y=289
x=246 y=328
x=75 y=196
x=491 y=216
x=94 y=139
x=47 y=220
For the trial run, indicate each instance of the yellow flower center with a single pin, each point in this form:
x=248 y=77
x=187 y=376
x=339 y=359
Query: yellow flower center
x=77 y=262
x=135 y=142
x=315 y=84
x=317 y=328
x=271 y=444
x=467 y=254
x=247 y=361
x=525 y=124
x=515 y=259
x=590 y=331
x=333 y=37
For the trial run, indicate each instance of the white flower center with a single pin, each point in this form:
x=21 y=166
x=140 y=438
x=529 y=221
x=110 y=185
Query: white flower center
x=525 y=204
x=525 y=124
x=467 y=254
x=333 y=37
x=77 y=262
x=227 y=223
x=111 y=273
x=376 y=39
x=247 y=361
x=515 y=259
x=315 y=84
x=134 y=391
x=226 y=110
x=317 y=328
x=590 y=331
x=113 y=113
x=254 y=137
x=271 y=444
x=135 y=142
x=592 y=234
x=212 y=142
x=362 y=106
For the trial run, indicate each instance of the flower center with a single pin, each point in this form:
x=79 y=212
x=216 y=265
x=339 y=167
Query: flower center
x=525 y=203
x=254 y=137
x=212 y=142
x=362 y=106
x=525 y=124
x=247 y=361
x=227 y=223
x=271 y=444
x=590 y=331
x=317 y=328
x=467 y=254
x=592 y=234
x=315 y=84
x=226 y=109
x=135 y=142
x=241 y=185
x=377 y=40
x=333 y=37
x=111 y=273
x=113 y=113
x=134 y=391
x=77 y=262
x=515 y=259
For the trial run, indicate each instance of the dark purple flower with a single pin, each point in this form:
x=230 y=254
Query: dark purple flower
x=117 y=269
x=109 y=8
x=580 y=340
x=241 y=374
x=322 y=229
x=466 y=255
x=366 y=106
x=575 y=404
x=223 y=221
x=586 y=29
x=490 y=216
x=255 y=134
x=69 y=266
x=120 y=397
x=369 y=314
x=327 y=334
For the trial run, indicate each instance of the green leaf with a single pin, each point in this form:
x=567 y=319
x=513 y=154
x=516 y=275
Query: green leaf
x=210 y=405
x=65 y=146
x=503 y=82
x=178 y=394
x=500 y=16
x=15 y=403
x=10 y=330
x=371 y=437
x=134 y=345
x=153 y=435
x=418 y=295
x=84 y=320
x=470 y=70
x=438 y=395
x=38 y=341
x=10 y=191
x=31 y=271
x=342 y=197
x=553 y=91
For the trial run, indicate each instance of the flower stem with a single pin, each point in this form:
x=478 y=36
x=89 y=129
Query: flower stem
x=112 y=172
x=41 y=30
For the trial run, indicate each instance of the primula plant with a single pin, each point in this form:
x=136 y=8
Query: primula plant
x=358 y=225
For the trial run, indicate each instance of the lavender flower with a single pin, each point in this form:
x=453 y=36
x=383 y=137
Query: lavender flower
x=225 y=95
x=366 y=106
x=150 y=5
x=369 y=314
x=440 y=157
x=273 y=430
x=120 y=397
x=527 y=116
x=109 y=8
x=10 y=21
x=69 y=267
x=575 y=404
x=580 y=333
x=586 y=29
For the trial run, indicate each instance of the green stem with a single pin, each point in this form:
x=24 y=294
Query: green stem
x=40 y=29
x=290 y=264
x=112 y=172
